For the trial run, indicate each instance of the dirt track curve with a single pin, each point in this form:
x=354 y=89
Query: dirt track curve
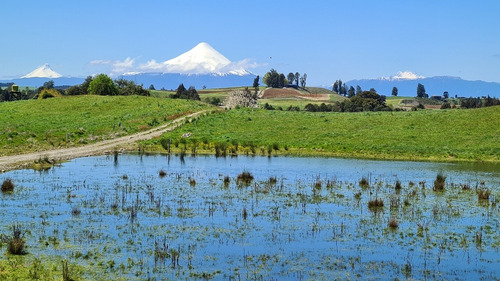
x=19 y=161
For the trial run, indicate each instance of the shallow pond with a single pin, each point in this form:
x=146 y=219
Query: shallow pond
x=298 y=219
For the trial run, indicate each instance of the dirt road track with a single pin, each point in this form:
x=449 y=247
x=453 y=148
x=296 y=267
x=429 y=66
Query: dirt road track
x=19 y=161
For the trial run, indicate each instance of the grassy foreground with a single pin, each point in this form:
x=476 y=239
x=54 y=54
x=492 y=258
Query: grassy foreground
x=34 y=125
x=439 y=135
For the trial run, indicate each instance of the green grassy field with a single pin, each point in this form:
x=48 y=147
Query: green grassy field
x=33 y=125
x=436 y=135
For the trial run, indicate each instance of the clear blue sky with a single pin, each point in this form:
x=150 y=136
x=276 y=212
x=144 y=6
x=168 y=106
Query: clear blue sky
x=328 y=40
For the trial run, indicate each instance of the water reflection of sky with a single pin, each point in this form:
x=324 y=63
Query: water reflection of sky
x=282 y=226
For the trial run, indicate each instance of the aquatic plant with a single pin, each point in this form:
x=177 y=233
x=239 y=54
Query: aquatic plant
x=245 y=213
x=161 y=250
x=439 y=182
x=162 y=173
x=393 y=223
x=65 y=271
x=227 y=180
x=376 y=203
x=220 y=149
x=76 y=211
x=7 y=185
x=364 y=182
x=16 y=243
x=483 y=194
x=318 y=184
x=273 y=180
x=245 y=177
x=398 y=186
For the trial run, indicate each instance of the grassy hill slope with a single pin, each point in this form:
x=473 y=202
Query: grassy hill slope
x=34 y=125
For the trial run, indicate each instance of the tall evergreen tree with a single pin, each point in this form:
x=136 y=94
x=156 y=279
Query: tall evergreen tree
x=421 y=91
x=394 y=91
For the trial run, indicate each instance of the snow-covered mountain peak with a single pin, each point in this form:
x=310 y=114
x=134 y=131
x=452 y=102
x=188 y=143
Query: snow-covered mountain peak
x=202 y=59
x=43 y=71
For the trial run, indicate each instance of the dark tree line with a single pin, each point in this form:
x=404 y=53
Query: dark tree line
x=182 y=93
x=364 y=101
x=478 y=102
x=274 y=79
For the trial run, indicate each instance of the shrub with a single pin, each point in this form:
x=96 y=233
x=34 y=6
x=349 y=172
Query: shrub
x=49 y=93
x=439 y=182
x=165 y=143
x=446 y=105
x=7 y=185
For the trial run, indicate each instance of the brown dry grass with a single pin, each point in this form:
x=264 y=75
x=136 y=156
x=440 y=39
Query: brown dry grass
x=292 y=93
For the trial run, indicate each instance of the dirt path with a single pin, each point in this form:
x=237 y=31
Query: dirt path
x=107 y=146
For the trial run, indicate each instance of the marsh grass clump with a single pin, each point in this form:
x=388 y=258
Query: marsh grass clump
x=161 y=250
x=227 y=180
x=65 y=271
x=7 y=185
x=364 y=182
x=162 y=173
x=273 y=180
x=244 y=213
x=76 y=211
x=318 y=184
x=220 y=149
x=16 y=242
x=398 y=186
x=483 y=194
x=376 y=203
x=245 y=178
x=192 y=182
x=393 y=223
x=439 y=182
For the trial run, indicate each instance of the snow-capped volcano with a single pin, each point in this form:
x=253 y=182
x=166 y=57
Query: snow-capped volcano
x=43 y=71
x=202 y=59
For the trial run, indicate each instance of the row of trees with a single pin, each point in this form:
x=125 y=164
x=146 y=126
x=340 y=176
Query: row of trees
x=99 y=85
x=363 y=101
x=105 y=86
x=182 y=93
x=274 y=79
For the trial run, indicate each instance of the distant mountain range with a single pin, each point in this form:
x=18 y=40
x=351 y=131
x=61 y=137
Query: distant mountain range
x=434 y=86
x=167 y=81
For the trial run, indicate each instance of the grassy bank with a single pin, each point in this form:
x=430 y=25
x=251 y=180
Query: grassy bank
x=441 y=135
x=34 y=125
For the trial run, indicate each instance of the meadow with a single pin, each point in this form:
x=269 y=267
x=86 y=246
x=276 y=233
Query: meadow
x=34 y=125
x=436 y=135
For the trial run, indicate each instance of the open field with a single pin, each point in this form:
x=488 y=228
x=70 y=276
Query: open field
x=441 y=135
x=35 y=125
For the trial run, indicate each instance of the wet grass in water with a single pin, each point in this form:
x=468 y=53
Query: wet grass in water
x=283 y=225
